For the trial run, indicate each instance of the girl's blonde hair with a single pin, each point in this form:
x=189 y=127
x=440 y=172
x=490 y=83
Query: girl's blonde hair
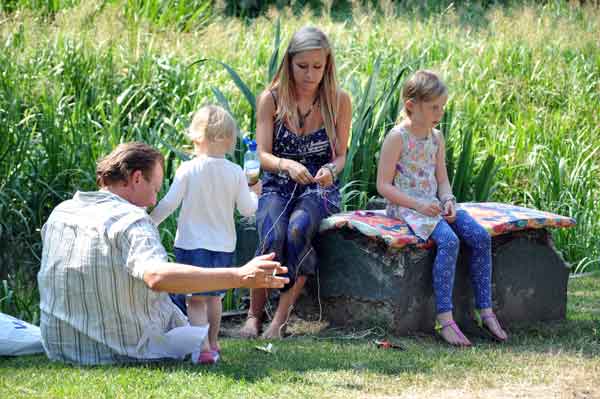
x=212 y=123
x=423 y=86
x=307 y=38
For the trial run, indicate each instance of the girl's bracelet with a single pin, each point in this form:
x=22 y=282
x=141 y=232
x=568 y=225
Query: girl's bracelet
x=447 y=198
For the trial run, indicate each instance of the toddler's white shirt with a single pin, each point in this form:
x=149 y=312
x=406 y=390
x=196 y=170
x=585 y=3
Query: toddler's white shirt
x=210 y=189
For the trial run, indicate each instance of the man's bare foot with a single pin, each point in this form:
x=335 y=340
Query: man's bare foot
x=274 y=331
x=251 y=327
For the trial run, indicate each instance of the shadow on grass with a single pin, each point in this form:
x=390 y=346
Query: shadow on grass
x=294 y=357
x=241 y=360
x=330 y=351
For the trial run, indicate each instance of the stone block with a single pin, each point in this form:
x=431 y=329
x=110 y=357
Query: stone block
x=362 y=282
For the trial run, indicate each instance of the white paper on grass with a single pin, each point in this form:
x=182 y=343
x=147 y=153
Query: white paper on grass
x=18 y=337
x=176 y=343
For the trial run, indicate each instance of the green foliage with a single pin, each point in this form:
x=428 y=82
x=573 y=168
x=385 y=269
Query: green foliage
x=523 y=126
x=19 y=297
x=45 y=7
x=244 y=88
x=184 y=15
x=374 y=114
x=470 y=182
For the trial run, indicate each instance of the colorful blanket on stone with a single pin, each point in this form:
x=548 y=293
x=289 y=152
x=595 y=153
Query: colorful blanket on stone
x=497 y=218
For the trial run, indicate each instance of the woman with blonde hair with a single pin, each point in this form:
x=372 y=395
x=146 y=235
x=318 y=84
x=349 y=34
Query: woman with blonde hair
x=303 y=123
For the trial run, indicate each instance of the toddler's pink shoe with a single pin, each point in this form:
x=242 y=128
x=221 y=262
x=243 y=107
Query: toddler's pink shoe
x=205 y=357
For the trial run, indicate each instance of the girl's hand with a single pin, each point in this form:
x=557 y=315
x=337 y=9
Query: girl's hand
x=429 y=208
x=449 y=211
x=324 y=177
x=298 y=172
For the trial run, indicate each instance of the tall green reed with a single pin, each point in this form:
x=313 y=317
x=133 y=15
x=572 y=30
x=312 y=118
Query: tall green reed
x=521 y=91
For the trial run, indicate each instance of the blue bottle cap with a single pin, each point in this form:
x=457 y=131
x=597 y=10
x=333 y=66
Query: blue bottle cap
x=251 y=144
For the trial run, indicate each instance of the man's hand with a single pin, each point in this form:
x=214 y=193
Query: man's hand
x=261 y=272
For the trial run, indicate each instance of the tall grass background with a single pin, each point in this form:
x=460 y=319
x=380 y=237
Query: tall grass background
x=80 y=77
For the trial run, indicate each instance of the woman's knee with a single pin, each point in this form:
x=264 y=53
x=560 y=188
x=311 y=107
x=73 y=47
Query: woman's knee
x=300 y=226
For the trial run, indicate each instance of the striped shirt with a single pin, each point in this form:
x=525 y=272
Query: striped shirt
x=95 y=306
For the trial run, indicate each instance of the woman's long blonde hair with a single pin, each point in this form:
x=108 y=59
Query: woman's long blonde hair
x=307 y=38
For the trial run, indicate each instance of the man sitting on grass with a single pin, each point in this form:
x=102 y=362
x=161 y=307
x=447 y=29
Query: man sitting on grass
x=104 y=275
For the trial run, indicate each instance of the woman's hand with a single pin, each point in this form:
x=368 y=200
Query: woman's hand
x=298 y=172
x=261 y=272
x=449 y=211
x=324 y=177
x=427 y=208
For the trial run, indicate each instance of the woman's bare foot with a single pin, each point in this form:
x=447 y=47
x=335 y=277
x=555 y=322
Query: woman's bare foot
x=251 y=327
x=274 y=331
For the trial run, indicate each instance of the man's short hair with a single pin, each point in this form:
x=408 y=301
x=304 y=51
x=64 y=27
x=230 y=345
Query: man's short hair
x=126 y=159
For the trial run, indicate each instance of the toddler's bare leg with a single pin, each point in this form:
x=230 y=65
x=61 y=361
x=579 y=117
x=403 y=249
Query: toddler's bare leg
x=215 y=309
x=198 y=314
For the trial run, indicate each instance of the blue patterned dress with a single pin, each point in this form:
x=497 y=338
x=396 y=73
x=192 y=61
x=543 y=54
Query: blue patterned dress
x=289 y=213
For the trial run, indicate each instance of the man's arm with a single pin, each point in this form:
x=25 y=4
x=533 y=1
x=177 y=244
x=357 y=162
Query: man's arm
x=178 y=278
x=146 y=259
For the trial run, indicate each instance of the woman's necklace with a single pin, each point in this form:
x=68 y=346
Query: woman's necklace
x=302 y=117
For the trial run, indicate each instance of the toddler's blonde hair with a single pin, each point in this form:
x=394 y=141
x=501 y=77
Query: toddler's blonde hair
x=423 y=86
x=212 y=123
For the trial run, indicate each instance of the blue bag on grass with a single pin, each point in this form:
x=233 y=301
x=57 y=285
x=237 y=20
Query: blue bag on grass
x=18 y=337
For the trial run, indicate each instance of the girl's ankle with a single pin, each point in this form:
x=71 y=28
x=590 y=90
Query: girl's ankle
x=486 y=311
x=444 y=317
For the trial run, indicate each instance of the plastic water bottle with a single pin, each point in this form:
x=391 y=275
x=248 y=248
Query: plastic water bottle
x=251 y=162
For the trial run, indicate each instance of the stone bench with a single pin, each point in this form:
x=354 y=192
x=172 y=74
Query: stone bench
x=374 y=271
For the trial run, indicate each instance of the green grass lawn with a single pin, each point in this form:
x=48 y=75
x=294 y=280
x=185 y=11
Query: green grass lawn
x=557 y=359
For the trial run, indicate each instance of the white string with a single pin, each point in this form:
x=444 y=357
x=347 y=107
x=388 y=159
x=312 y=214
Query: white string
x=267 y=308
x=322 y=194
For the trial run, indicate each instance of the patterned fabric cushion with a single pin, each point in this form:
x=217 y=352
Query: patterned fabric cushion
x=497 y=218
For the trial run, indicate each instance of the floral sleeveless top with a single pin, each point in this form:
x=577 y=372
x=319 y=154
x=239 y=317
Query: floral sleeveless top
x=415 y=176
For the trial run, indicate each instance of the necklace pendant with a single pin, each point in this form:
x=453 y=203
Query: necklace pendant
x=301 y=122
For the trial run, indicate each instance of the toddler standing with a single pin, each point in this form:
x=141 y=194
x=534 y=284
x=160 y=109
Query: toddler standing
x=209 y=188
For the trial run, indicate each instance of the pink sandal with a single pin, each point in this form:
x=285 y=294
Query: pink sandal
x=452 y=324
x=479 y=319
x=206 y=357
